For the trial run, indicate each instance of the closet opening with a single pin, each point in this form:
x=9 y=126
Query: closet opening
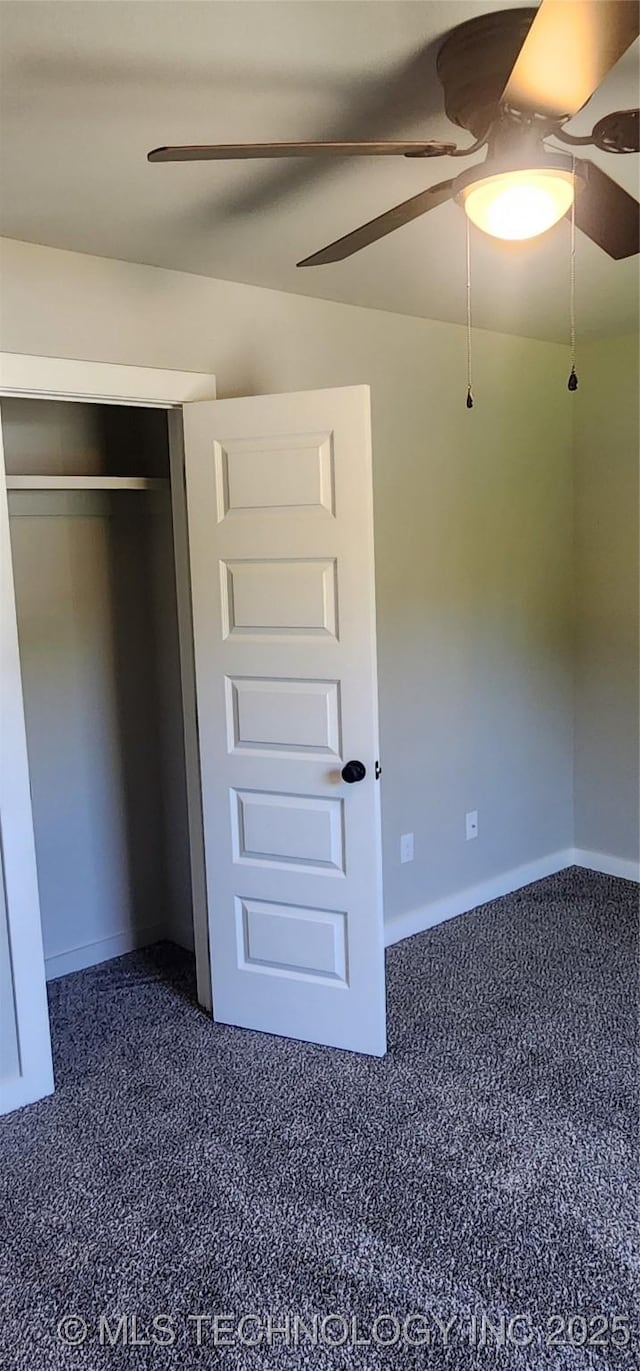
x=95 y=585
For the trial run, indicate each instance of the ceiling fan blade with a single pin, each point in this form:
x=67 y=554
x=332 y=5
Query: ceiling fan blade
x=569 y=49
x=380 y=227
x=607 y=213
x=618 y=132
x=223 y=152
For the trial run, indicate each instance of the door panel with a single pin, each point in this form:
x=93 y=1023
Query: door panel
x=280 y=517
x=284 y=717
x=279 y=598
x=291 y=830
x=293 y=473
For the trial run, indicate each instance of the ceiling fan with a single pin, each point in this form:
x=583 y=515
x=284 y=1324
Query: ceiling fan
x=512 y=79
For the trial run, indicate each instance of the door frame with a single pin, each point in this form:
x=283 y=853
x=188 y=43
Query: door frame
x=61 y=378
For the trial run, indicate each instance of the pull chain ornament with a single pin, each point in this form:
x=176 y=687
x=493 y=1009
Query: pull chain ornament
x=469 y=390
x=572 y=383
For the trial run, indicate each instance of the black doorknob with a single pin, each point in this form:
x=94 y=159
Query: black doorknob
x=353 y=771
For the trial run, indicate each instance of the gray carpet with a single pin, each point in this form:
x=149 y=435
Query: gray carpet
x=485 y=1167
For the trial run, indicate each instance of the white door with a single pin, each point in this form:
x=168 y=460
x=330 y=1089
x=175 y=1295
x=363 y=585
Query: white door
x=279 y=498
x=25 y=1049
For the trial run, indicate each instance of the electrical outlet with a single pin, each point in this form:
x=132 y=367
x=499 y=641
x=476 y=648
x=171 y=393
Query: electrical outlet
x=471 y=824
x=406 y=847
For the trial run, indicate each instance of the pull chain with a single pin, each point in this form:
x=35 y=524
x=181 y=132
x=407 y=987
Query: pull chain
x=572 y=383
x=469 y=390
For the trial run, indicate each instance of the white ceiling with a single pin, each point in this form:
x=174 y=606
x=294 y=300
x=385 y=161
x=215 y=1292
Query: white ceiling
x=88 y=88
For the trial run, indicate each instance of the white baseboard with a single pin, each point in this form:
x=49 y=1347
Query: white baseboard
x=396 y=928
x=90 y=954
x=427 y=916
x=604 y=862
x=417 y=920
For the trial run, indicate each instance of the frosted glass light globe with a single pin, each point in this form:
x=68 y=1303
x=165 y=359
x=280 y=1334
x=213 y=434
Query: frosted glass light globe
x=519 y=204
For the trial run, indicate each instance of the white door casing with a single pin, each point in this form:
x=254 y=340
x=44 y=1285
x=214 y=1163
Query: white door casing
x=26 y=1072
x=279 y=497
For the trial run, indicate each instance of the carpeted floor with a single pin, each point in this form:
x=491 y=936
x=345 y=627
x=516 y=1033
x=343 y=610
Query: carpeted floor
x=485 y=1167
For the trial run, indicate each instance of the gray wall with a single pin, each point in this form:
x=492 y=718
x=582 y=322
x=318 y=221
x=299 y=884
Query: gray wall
x=607 y=441
x=95 y=690
x=65 y=438
x=473 y=513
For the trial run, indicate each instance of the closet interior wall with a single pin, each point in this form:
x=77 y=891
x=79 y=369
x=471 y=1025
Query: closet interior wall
x=97 y=626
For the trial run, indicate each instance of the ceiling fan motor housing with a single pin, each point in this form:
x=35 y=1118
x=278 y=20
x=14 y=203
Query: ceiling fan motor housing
x=474 y=65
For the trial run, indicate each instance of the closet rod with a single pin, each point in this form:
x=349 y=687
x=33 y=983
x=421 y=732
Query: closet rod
x=87 y=482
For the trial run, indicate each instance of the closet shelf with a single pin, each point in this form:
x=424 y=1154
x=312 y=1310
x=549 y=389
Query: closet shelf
x=87 y=483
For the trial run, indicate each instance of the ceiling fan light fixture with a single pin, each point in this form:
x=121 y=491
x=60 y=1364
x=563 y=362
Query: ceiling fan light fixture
x=520 y=203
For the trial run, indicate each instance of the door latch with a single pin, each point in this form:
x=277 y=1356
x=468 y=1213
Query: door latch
x=378 y=771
